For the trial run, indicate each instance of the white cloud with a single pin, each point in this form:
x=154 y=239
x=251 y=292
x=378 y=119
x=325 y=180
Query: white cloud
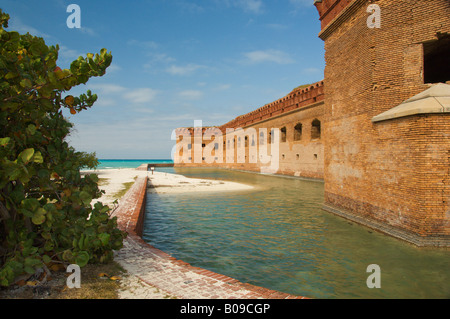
x=252 y=6
x=68 y=54
x=222 y=87
x=274 y=56
x=142 y=95
x=183 y=70
x=191 y=94
x=311 y=70
x=105 y=101
x=108 y=89
x=17 y=25
x=88 y=31
x=190 y=7
x=302 y=2
x=113 y=68
x=144 y=44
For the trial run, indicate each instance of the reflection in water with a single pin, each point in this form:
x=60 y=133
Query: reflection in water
x=277 y=236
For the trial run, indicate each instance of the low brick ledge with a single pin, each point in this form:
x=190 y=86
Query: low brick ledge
x=175 y=277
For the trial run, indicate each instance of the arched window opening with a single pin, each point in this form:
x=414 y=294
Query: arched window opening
x=298 y=132
x=315 y=129
x=283 y=134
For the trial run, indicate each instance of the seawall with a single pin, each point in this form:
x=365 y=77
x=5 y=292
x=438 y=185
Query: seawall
x=176 y=277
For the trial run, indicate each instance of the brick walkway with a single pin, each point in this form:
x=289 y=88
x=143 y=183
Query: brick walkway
x=176 y=278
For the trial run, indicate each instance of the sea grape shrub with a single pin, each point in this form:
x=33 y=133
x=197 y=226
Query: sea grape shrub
x=45 y=203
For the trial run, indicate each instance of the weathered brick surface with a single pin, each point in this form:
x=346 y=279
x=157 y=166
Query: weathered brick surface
x=301 y=156
x=393 y=173
x=168 y=274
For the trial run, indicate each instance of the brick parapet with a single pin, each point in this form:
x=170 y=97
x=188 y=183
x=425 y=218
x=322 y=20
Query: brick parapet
x=297 y=99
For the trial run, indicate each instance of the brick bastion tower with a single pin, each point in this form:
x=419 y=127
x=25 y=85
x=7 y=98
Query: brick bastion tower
x=386 y=119
x=376 y=129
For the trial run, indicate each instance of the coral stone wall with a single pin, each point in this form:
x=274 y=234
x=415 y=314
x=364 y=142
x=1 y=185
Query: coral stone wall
x=392 y=173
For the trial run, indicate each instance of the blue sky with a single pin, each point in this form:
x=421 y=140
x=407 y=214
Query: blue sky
x=176 y=61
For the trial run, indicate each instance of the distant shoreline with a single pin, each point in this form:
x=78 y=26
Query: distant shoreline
x=129 y=163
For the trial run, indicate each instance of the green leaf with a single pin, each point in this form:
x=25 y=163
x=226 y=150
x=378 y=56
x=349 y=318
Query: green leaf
x=31 y=204
x=46 y=103
x=29 y=270
x=26 y=155
x=104 y=238
x=39 y=216
x=82 y=258
x=67 y=255
x=46 y=259
x=37 y=158
x=31 y=129
x=4 y=141
x=25 y=83
x=85 y=197
x=10 y=75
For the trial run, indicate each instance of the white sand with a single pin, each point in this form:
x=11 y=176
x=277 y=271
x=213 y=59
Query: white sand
x=112 y=181
x=162 y=183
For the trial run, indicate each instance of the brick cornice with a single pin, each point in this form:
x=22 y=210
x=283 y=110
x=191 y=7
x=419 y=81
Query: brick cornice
x=337 y=15
x=297 y=99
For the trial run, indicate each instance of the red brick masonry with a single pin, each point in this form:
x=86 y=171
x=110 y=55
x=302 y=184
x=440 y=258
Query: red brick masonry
x=168 y=274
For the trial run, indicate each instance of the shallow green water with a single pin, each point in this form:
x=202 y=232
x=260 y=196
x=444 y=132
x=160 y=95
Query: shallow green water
x=277 y=236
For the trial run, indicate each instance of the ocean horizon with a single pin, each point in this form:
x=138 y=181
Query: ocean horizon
x=129 y=163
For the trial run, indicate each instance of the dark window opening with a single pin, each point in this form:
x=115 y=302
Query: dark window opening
x=283 y=134
x=436 y=60
x=315 y=129
x=298 y=132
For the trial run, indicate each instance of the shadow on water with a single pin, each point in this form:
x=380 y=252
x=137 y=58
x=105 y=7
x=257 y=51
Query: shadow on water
x=277 y=236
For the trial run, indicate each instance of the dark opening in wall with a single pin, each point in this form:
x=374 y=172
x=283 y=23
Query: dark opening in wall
x=315 y=129
x=436 y=58
x=298 y=132
x=283 y=134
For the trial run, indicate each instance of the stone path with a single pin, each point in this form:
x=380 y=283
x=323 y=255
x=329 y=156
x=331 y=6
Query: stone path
x=155 y=274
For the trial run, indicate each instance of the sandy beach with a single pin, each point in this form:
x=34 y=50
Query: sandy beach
x=112 y=182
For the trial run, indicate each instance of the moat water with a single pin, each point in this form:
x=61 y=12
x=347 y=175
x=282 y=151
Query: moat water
x=277 y=236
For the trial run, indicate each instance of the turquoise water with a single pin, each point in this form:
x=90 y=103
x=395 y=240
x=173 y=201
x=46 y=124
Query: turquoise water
x=278 y=237
x=128 y=163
